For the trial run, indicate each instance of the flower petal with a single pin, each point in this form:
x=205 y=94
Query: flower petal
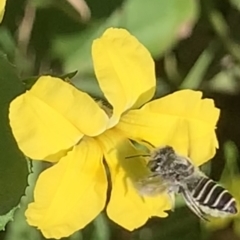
x=126 y=206
x=53 y=116
x=124 y=69
x=70 y=194
x=76 y=106
x=2 y=9
x=182 y=120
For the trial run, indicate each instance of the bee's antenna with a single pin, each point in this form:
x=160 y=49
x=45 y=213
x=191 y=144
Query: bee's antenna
x=143 y=155
x=149 y=143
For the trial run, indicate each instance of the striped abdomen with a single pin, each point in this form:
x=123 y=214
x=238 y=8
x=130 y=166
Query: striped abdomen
x=213 y=199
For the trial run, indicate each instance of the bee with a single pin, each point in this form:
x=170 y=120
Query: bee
x=177 y=175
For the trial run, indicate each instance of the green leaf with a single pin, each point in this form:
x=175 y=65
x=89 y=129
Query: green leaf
x=7 y=42
x=196 y=75
x=181 y=224
x=231 y=166
x=158 y=26
x=4 y=219
x=13 y=164
x=19 y=229
x=236 y=4
x=30 y=81
x=102 y=231
x=68 y=75
x=227 y=80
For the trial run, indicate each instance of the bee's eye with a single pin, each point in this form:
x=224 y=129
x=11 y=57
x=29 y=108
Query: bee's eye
x=153 y=166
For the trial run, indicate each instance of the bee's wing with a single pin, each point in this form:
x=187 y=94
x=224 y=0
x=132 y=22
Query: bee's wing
x=191 y=203
x=151 y=185
x=154 y=185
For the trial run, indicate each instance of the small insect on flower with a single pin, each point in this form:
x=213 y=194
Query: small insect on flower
x=177 y=175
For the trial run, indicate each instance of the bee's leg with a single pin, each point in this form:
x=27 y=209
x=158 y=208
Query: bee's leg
x=191 y=203
x=172 y=199
x=153 y=176
x=172 y=190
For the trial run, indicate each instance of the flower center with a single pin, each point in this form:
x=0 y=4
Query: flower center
x=105 y=106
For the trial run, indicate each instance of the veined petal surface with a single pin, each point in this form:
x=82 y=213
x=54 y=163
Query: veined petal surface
x=76 y=106
x=124 y=69
x=182 y=120
x=2 y=9
x=126 y=206
x=52 y=117
x=186 y=103
x=70 y=194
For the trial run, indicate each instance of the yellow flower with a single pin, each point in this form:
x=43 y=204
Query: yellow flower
x=56 y=122
x=2 y=8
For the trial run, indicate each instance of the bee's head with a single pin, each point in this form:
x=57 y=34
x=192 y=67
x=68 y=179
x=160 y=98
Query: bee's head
x=161 y=158
x=165 y=160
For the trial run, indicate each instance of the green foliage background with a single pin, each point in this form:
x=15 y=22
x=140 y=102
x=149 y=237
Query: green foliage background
x=195 y=45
